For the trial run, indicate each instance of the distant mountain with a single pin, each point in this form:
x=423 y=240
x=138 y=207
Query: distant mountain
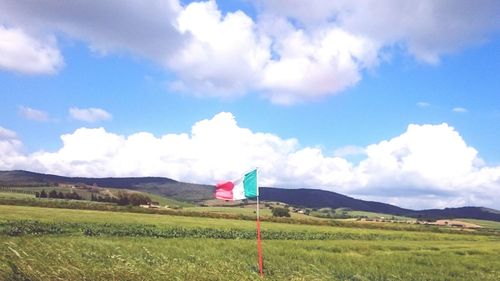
x=314 y=198
x=305 y=197
x=156 y=185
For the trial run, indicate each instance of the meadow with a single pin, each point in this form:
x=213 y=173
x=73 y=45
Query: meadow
x=62 y=244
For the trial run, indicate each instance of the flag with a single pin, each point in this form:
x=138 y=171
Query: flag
x=242 y=188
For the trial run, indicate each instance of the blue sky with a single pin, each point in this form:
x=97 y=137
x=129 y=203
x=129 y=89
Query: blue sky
x=329 y=98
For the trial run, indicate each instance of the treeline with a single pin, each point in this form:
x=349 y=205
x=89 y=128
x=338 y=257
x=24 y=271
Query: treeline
x=58 y=195
x=15 y=190
x=27 y=184
x=123 y=198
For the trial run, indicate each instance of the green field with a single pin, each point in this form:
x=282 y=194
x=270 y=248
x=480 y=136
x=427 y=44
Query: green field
x=483 y=223
x=122 y=247
x=15 y=195
x=372 y=215
x=248 y=210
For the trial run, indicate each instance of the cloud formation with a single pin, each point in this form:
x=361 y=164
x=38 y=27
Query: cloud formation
x=11 y=155
x=90 y=115
x=288 y=52
x=423 y=104
x=20 y=52
x=33 y=114
x=427 y=29
x=426 y=166
x=459 y=109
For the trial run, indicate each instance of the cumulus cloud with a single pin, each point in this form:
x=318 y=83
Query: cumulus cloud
x=290 y=51
x=425 y=166
x=11 y=155
x=6 y=134
x=33 y=114
x=423 y=104
x=146 y=29
x=223 y=54
x=23 y=53
x=427 y=29
x=314 y=64
x=349 y=150
x=89 y=114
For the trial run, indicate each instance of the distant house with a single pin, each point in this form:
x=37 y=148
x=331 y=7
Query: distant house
x=151 y=205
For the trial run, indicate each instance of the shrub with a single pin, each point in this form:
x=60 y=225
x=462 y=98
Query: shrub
x=281 y=212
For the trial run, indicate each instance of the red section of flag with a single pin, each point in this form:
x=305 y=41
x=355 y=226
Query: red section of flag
x=224 y=190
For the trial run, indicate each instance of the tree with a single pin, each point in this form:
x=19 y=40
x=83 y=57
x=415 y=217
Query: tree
x=53 y=193
x=122 y=198
x=73 y=195
x=281 y=212
x=43 y=194
x=60 y=195
x=137 y=199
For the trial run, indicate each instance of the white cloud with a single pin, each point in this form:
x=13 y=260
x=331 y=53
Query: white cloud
x=33 y=114
x=459 y=109
x=427 y=29
x=89 y=114
x=6 y=134
x=223 y=54
x=146 y=29
x=423 y=104
x=11 y=155
x=426 y=166
x=291 y=51
x=315 y=64
x=20 y=52
x=349 y=150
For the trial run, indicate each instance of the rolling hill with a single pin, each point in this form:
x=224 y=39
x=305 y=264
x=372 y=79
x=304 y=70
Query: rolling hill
x=309 y=198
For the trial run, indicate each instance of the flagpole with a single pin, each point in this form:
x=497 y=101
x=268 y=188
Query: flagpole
x=259 y=245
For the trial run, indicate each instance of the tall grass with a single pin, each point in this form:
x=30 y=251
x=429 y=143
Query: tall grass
x=62 y=244
x=110 y=258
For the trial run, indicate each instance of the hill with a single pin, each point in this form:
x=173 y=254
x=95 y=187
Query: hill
x=304 y=197
x=314 y=198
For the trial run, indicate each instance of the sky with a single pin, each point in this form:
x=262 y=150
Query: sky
x=385 y=100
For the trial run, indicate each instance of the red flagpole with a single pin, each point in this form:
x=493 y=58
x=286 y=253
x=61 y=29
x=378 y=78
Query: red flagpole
x=259 y=245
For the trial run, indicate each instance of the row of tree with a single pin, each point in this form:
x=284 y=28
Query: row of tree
x=58 y=195
x=123 y=198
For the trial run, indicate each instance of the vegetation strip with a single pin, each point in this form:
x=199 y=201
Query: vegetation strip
x=33 y=227
x=99 y=206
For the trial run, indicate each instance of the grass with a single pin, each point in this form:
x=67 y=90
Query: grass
x=483 y=223
x=347 y=213
x=13 y=213
x=165 y=201
x=23 y=193
x=366 y=254
x=378 y=215
x=15 y=195
x=111 y=258
x=231 y=210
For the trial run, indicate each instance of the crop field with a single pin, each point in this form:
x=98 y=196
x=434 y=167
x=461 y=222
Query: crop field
x=246 y=210
x=14 y=195
x=62 y=244
x=483 y=223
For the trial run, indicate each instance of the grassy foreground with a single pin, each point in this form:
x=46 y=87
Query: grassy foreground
x=366 y=254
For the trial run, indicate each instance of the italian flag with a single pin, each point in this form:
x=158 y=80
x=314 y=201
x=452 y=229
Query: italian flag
x=242 y=188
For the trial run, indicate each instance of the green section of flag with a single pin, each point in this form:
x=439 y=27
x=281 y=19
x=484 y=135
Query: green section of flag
x=250 y=184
